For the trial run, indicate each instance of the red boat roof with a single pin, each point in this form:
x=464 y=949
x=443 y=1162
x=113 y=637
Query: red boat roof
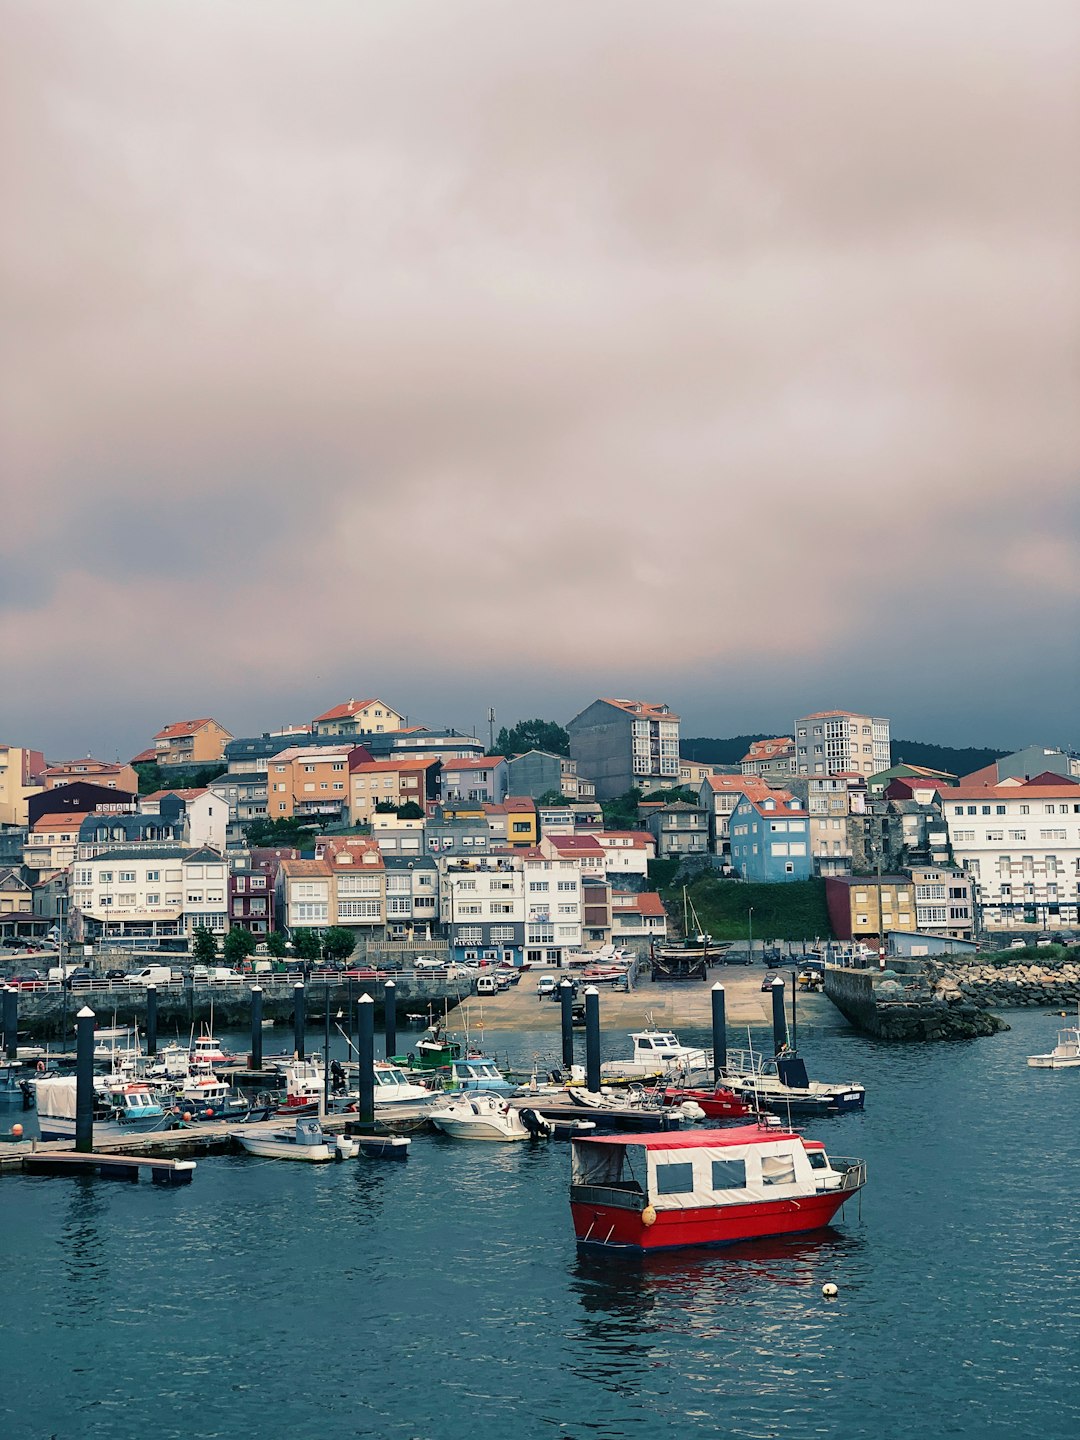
x=695 y=1139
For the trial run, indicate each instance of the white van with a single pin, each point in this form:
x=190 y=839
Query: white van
x=150 y=975
x=487 y=985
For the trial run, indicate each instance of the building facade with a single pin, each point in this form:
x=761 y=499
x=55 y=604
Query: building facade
x=770 y=759
x=770 y=838
x=622 y=745
x=357 y=717
x=189 y=744
x=831 y=741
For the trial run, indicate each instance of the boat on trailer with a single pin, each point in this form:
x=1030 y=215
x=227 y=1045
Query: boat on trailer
x=714 y=1187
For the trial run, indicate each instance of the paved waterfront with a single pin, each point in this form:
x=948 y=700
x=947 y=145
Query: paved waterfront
x=669 y=1006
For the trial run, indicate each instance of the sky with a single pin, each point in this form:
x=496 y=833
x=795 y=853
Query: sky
x=462 y=354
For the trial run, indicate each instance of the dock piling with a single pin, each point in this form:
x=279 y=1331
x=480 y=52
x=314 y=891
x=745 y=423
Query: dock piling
x=84 y=1079
x=11 y=1022
x=256 y=1027
x=779 y=1017
x=592 y=1040
x=298 y=1020
x=390 y=1017
x=366 y=1059
x=719 y=1031
x=151 y=1020
x=566 y=1001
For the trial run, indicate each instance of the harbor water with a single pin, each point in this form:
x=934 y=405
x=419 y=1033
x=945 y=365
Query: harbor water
x=444 y=1299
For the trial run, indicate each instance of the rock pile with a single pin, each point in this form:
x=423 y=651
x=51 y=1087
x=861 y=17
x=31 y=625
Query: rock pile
x=995 y=987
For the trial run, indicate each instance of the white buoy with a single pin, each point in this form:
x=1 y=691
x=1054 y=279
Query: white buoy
x=830 y=1291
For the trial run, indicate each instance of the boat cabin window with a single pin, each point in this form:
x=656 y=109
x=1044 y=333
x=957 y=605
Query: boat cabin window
x=818 y=1159
x=729 y=1174
x=645 y=1044
x=777 y=1170
x=675 y=1179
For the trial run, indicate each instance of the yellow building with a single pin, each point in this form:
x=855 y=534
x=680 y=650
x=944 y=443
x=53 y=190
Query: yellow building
x=391 y=782
x=358 y=717
x=865 y=907
x=522 y=828
x=191 y=743
x=308 y=780
x=20 y=778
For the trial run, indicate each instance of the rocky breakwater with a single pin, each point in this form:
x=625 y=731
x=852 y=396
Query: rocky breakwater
x=998 y=985
x=903 y=1004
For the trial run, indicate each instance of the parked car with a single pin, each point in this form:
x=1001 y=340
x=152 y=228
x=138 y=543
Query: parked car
x=28 y=980
x=770 y=976
x=77 y=978
x=545 y=985
x=487 y=985
x=428 y=962
x=1043 y=940
x=115 y=974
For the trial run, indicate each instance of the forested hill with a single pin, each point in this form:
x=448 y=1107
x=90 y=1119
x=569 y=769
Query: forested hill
x=957 y=761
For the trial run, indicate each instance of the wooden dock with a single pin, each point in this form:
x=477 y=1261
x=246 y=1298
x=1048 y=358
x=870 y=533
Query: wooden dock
x=109 y=1167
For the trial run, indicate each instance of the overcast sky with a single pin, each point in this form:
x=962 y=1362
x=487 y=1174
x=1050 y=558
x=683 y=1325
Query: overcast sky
x=467 y=354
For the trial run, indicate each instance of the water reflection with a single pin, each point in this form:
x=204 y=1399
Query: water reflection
x=84 y=1242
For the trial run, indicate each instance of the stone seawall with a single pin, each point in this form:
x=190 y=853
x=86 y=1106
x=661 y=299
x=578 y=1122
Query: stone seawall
x=904 y=1006
x=998 y=987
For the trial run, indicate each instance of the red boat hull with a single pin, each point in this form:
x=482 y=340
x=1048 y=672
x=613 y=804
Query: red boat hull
x=716 y=1103
x=613 y=1228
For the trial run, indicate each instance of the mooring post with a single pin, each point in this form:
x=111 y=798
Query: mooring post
x=366 y=1058
x=390 y=1017
x=779 y=1018
x=256 y=1027
x=11 y=1022
x=592 y=1040
x=151 y=1020
x=566 y=1002
x=84 y=1079
x=298 y=1019
x=719 y=1031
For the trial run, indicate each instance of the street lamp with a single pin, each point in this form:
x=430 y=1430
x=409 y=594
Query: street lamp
x=750 y=930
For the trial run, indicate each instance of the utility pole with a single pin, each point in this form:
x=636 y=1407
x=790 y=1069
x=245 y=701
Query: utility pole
x=491 y=729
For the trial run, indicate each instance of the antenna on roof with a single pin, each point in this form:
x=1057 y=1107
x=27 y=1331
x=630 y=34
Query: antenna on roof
x=491 y=729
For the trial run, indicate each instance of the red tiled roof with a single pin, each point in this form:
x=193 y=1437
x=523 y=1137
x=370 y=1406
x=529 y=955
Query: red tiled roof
x=640 y=839
x=519 y=802
x=71 y=822
x=1059 y=788
x=646 y=709
x=577 y=844
x=350 y=707
x=766 y=749
x=182 y=794
x=743 y=784
x=648 y=904
x=143 y=757
x=301 y=868
x=183 y=727
x=380 y=767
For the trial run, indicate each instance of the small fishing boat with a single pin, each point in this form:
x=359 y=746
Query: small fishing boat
x=119 y=1108
x=635 y=1099
x=207 y=1054
x=306 y=1141
x=479 y=1117
x=783 y=1087
x=656 y=1053
x=384 y=1147
x=205 y=1097
x=476 y=1072
x=708 y=1187
x=720 y=1102
x=1065 y=1054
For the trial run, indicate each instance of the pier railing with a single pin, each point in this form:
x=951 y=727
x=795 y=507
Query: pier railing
x=854 y=1171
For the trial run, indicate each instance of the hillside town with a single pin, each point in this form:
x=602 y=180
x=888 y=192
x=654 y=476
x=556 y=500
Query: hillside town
x=562 y=842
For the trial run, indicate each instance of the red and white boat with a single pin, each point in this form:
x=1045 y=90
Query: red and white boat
x=704 y=1187
x=720 y=1103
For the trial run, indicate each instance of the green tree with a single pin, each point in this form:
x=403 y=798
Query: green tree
x=203 y=946
x=622 y=812
x=239 y=944
x=275 y=945
x=553 y=797
x=386 y=807
x=307 y=943
x=410 y=811
x=338 y=942
x=287 y=833
x=166 y=777
x=532 y=735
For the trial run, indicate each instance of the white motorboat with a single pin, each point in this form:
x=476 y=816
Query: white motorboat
x=306 y=1141
x=656 y=1052
x=782 y=1086
x=479 y=1117
x=1065 y=1054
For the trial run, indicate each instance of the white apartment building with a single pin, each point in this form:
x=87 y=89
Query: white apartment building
x=834 y=742
x=1020 y=844
x=152 y=891
x=553 y=909
x=513 y=907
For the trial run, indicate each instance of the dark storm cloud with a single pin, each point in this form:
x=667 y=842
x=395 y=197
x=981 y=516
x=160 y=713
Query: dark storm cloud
x=725 y=351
